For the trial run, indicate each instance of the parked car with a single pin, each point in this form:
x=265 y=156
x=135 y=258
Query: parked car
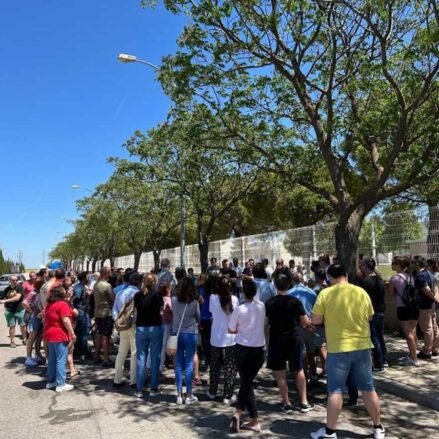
x=4 y=280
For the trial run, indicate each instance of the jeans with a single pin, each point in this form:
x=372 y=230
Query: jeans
x=248 y=361
x=56 y=364
x=82 y=329
x=187 y=344
x=355 y=366
x=148 y=337
x=379 y=350
x=127 y=343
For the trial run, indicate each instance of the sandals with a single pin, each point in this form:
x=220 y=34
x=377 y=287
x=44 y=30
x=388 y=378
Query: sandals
x=255 y=428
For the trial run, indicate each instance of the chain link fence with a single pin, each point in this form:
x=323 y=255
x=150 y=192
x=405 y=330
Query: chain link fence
x=382 y=236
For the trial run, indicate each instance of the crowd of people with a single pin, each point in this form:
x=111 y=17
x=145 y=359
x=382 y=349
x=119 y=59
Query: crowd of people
x=231 y=320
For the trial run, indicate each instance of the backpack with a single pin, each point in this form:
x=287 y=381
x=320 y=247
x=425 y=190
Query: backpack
x=411 y=296
x=125 y=318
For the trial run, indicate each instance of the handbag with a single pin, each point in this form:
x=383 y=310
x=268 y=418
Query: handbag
x=125 y=319
x=171 y=345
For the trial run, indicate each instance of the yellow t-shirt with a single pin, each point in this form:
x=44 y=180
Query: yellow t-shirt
x=346 y=310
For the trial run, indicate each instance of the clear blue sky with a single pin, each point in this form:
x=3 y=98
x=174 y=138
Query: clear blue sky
x=66 y=104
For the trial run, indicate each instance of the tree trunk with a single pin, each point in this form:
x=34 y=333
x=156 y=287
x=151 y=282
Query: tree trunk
x=137 y=256
x=88 y=264
x=347 y=233
x=93 y=265
x=112 y=261
x=433 y=230
x=156 y=254
x=203 y=247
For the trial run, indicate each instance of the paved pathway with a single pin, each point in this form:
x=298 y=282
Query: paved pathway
x=96 y=410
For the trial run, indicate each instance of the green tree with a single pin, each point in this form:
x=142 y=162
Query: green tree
x=343 y=84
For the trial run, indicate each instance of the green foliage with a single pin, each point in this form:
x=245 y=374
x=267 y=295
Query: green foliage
x=7 y=264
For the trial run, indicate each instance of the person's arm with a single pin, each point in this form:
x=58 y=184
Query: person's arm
x=305 y=321
x=233 y=323
x=197 y=312
x=316 y=319
x=423 y=287
x=16 y=298
x=68 y=325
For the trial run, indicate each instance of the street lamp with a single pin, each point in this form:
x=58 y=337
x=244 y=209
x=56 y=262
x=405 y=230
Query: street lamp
x=124 y=58
x=77 y=186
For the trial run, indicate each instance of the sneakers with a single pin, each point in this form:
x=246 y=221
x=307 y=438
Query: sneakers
x=230 y=400
x=191 y=400
x=379 y=433
x=352 y=403
x=407 y=361
x=378 y=369
x=51 y=385
x=423 y=356
x=64 y=388
x=31 y=362
x=138 y=395
x=287 y=408
x=12 y=345
x=321 y=434
x=211 y=396
x=305 y=408
x=154 y=392
x=180 y=400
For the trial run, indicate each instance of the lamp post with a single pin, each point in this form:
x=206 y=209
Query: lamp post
x=77 y=186
x=124 y=58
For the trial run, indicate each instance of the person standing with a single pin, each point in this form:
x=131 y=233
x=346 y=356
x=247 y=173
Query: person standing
x=424 y=282
x=286 y=315
x=375 y=287
x=103 y=303
x=222 y=304
x=238 y=270
x=58 y=332
x=149 y=334
x=348 y=342
x=12 y=298
x=247 y=322
x=122 y=304
x=186 y=316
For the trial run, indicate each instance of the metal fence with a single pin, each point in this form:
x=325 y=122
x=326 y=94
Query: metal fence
x=382 y=236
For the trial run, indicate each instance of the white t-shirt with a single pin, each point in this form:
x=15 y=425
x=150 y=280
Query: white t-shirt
x=220 y=337
x=248 y=319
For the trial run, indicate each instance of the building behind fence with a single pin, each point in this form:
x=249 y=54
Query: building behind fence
x=382 y=236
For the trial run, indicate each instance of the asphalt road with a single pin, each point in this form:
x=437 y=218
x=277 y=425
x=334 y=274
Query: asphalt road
x=96 y=410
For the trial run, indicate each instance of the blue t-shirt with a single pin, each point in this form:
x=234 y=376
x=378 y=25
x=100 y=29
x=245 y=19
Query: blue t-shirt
x=306 y=295
x=205 y=314
x=425 y=279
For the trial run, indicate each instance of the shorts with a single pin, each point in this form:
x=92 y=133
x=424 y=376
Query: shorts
x=35 y=324
x=309 y=340
x=357 y=363
x=404 y=314
x=105 y=326
x=281 y=353
x=13 y=318
x=320 y=337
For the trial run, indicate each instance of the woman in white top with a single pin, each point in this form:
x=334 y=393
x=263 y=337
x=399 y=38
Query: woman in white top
x=222 y=343
x=247 y=322
x=408 y=317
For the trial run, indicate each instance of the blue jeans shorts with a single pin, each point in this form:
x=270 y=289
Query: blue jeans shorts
x=357 y=363
x=35 y=324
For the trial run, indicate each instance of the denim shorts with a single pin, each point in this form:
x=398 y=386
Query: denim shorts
x=35 y=324
x=358 y=363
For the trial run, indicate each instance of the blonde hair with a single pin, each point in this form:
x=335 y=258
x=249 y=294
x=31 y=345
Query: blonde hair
x=202 y=278
x=149 y=282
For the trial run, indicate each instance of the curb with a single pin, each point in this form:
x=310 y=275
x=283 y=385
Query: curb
x=408 y=393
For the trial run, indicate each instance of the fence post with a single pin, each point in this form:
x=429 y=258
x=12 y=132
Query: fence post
x=374 y=246
x=314 y=243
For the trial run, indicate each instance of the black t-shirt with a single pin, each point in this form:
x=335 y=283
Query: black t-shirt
x=231 y=274
x=284 y=314
x=148 y=307
x=9 y=293
x=285 y=271
x=375 y=287
x=425 y=279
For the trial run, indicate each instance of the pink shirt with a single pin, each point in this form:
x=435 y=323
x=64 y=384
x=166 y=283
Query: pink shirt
x=28 y=288
x=167 y=311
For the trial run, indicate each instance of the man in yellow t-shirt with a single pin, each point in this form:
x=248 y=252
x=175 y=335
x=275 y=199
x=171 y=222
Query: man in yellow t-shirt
x=345 y=310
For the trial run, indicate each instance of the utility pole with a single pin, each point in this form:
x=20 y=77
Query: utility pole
x=44 y=256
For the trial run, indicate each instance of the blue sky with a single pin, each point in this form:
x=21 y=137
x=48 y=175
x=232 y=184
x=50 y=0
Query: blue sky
x=66 y=104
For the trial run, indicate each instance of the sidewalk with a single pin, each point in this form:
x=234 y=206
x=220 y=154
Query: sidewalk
x=415 y=384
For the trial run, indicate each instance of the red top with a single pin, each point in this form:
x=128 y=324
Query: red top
x=54 y=329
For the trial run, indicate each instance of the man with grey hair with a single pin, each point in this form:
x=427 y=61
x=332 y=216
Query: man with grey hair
x=165 y=275
x=104 y=299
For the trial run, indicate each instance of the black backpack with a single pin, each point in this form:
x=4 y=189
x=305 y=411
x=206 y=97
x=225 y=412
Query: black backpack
x=411 y=296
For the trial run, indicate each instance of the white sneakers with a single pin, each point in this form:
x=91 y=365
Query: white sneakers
x=321 y=434
x=191 y=400
x=378 y=433
x=64 y=388
x=51 y=385
x=230 y=400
